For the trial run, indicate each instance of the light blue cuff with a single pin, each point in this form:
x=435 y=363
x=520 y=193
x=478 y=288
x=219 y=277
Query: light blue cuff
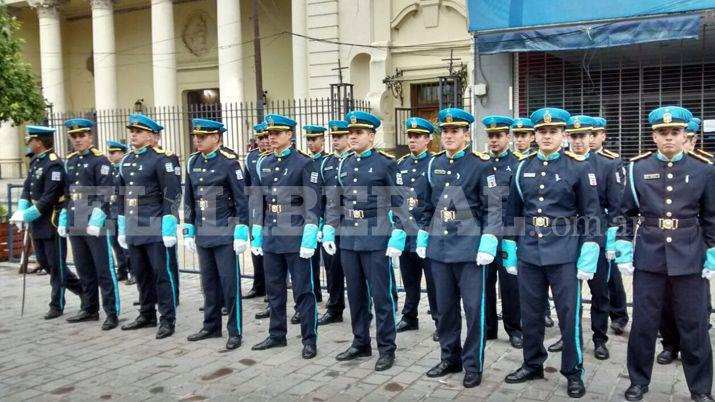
x=62 y=221
x=168 y=226
x=310 y=237
x=588 y=258
x=30 y=214
x=397 y=239
x=611 y=238
x=624 y=252
x=328 y=233
x=710 y=259
x=422 y=238
x=23 y=204
x=320 y=225
x=257 y=235
x=189 y=230
x=488 y=244
x=121 y=225
x=97 y=218
x=509 y=248
x=240 y=232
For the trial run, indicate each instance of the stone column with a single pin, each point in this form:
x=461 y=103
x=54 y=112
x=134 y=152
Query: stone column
x=105 y=56
x=52 y=69
x=300 y=49
x=11 y=163
x=230 y=69
x=163 y=49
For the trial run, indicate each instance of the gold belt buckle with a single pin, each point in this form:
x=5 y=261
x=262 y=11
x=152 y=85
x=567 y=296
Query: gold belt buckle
x=276 y=208
x=76 y=196
x=448 y=216
x=412 y=202
x=540 y=221
x=203 y=204
x=668 y=223
x=357 y=213
x=132 y=202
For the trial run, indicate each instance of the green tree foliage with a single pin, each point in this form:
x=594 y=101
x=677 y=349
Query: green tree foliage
x=20 y=98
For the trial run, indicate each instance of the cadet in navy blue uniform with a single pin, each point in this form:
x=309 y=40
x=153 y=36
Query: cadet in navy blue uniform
x=413 y=168
x=258 y=289
x=671 y=195
x=368 y=180
x=503 y=163
x=115 y=153
x=286 y=233
x=330 y=186
x=315 y=139
x=216 y=227
x=39 y=207
x=459 y=238
x=88 y=191
x=148 y=202
x=553 y=197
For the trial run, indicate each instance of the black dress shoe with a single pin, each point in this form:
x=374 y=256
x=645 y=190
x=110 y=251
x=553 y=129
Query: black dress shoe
x=253 y=293
x=548 y=322
x=491 y=337
x=140 y=322
x=296 y=318
x=165 y=331
x=601 y=351
x=618 y=327
x=385 y=362
x=472 y=379
x=557 y=346
x=136 y=303
x=516 y=341
x=354 y=353
x=435 y=336
x=575 y=388
x=330 y=318
x=110 y=322
x=269 y=343
x=309 y=351
x=264 y=314
x=701 y=397
x=443 y=368
x=203 y=334
x=403 y=326
x=233 y=342
x=122 y=276
x=224 y=311
x=83 y=316
x=635 y=392
x=524 y=375
x=130 y=281
x=667 y=356
x=52 y=313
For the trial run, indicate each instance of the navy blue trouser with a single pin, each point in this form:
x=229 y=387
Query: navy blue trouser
x=668 y=327
x=259 y=278
x=155 y=279
x=174 y=266
x=617 y=296
x=465 y=281
x=54 y=251
x=336 y=281
x=277 y=266
x=687 y=296
x=509 y=290
x=122 y=255
x=221 y=284
x=315 y=263
x=369 y=276
x=95 y=266
x=411 y=268
x=600 y=304
x=534 y=283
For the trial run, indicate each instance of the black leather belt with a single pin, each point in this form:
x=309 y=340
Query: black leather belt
x=669 y=223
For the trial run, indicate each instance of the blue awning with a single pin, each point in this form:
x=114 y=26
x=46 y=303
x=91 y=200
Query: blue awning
x=592 y=36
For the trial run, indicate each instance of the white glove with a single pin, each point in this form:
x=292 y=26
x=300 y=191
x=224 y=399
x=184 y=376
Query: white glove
x=257 y=250
x=484 y=258
x=62 y=231
x=583 y=275
x=393 y=252
x=708 y=273
x=320 y=236
x=329 y=247
x=395 y=262
x=122 y=240
x=169 y=241
x=17 y=218
x=511 y=270
x=190 y=243
x=91 y=230
x=610 y=255
x=239 y=246
x=421 y=252
x=306 y=252
x=626 y=269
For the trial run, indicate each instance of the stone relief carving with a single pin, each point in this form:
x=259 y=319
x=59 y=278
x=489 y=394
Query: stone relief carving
x=196 y=34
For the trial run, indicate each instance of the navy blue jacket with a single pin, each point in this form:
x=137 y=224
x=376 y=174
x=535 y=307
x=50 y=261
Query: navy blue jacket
x=89 y=185
x=611 y=179
x=413 y=171
x=43 y=187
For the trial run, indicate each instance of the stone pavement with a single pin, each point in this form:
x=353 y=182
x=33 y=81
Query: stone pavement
x=54 y=360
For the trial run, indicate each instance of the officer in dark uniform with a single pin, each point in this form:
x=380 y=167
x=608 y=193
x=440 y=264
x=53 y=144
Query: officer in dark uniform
x=315 y=139
x=286 y=233
x=554 y=200
x=215 y=226
x=88 y=190
x=329 y=178
x=39 y=207
x=461 y=222
x=503 y=163
x=671 y=194
x=147 y=222
x=258 y=289
x=413 y=168
x=115 y=152
x=367 y=239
